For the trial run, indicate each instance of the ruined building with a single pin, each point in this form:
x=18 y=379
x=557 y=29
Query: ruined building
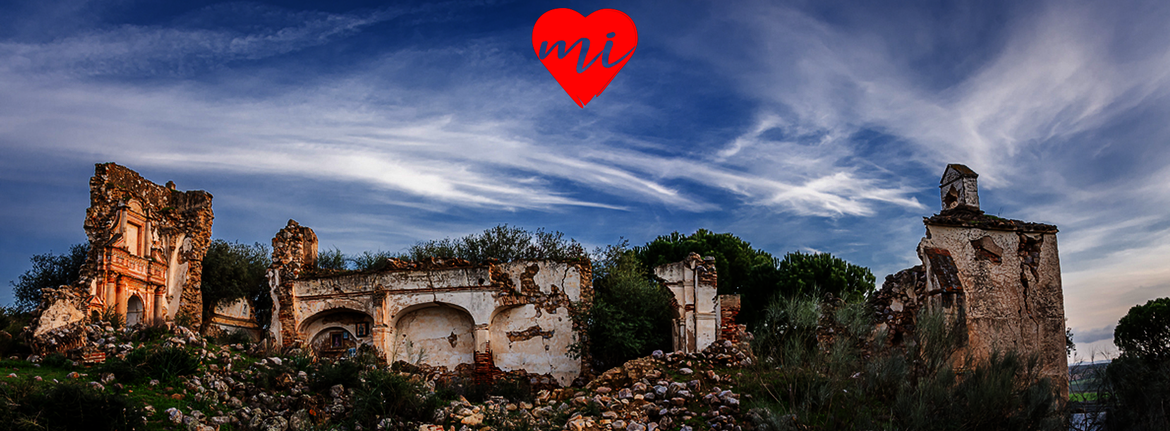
x=146 y=250
x=693 y=283
x=441 y=312
x=997 y=279
x=490 y=316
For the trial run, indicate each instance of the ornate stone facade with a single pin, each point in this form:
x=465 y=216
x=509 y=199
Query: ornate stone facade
x=146 y=251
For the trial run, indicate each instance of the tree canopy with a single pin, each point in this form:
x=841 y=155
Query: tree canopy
x=756 y=275
x=1144 y=332
x=48 y=271
x=504 y=243
x=233 y=271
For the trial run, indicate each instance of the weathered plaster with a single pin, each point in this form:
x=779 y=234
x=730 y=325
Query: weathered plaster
x=997 y=279
x=441 y=312
x=693 y=283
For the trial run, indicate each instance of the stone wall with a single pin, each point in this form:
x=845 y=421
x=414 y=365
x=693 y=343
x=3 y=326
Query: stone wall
x=147 y=244
x=997 y=279
x=1006 y=287
x=693 y=281
x=494 y=317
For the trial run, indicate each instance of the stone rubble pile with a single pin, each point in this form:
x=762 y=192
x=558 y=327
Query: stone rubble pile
x=663 y=391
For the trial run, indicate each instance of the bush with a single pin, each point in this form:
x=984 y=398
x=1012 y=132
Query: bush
x=65 y=406
x=56 y=360
x=162 y=363
x=386 y=394
x=631 y=313
x=152 y=332
x=336 y=372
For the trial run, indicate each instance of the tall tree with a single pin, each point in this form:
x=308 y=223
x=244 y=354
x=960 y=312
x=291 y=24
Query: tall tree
x=821 y=274
x=48 y=271
x=1144 y=332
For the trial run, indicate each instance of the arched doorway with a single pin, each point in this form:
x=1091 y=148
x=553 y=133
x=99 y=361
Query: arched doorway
x=435 y=334
x=134 y=310
x=334 y=332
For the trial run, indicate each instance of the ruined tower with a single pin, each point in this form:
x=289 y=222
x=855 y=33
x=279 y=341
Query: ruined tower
x=998 y=279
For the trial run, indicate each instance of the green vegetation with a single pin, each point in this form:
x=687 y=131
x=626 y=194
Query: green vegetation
x=48 y=271
x=502 y=243
x=756 y=275
x=233 y=271
x=1136 y=385
x=818 y=369
x=28 y=405
x=631 y=313
x=1144 y=332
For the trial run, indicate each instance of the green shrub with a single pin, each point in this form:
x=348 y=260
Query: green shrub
x=56 y=360
x=65 y=406
x=152 y=333
x=162 y=363
x=335 y=372
x=113 y=318
x=820 y=368
x=631 y=312
x=1136 y=394
x=167 y=363
x=386 y=394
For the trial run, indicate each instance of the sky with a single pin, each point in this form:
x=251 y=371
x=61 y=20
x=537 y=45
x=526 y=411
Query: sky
x=818 y=126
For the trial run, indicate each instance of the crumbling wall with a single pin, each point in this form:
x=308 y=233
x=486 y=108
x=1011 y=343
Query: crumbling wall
x=235 y=316
x=294 y=250
x=146 y=241
x=1011 y=287
x=492 y=317
x=997 y=279
x=897 y=303
x=693 y=282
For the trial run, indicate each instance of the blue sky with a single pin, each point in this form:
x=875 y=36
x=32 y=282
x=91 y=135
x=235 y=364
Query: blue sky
x=813 y=126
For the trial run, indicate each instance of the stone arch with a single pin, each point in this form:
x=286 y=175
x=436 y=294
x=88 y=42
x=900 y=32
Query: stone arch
x=134 y=310
x=333 y=331
x=433 y=333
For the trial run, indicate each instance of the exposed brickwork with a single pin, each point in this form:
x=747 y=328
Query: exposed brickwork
x=728 y=310
x=486 y=371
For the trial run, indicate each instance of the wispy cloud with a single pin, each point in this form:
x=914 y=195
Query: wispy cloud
x=140 y=50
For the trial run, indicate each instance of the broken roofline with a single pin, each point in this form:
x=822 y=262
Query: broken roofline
x=426 y=264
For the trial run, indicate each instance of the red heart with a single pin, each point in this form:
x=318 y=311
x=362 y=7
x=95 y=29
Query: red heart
x=584 y=53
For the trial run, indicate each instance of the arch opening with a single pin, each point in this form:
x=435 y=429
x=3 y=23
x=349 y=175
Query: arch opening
x=134 y=309
x=435 y=334
x=333 y=332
